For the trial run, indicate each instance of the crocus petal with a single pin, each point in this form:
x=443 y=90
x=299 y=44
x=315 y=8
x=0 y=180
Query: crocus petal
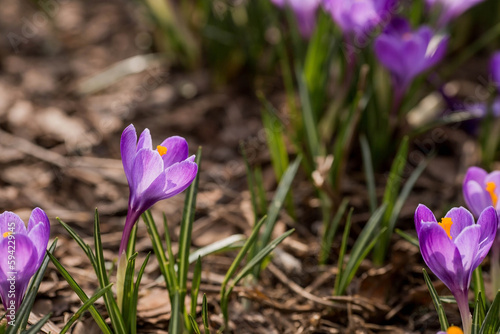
x=10 y=222
x=488 y=221
x=179 y=177
x=495 y=178
x=441 y=255
x=128 y=149
x=39 y=232
x=476 y=197
x=423 y=214
x=495 y=69
x=177 y=150
x=475 y=174
x=148 y=165
x=145 y=141
x=468 y=245
x=461 y=219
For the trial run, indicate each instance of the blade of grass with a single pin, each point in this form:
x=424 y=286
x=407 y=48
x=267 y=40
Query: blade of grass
x=491 y=324
x=343 y=250
x=90 y=302
x=81 y=294
x=478 y=316
x=370 y=175
x=437 y=303
x=232 y=242
x=411 y=239
x=38 y=326
x=329 y=233
x=194 y=325
x=204 y=315
x=112 y=307
x=133 y=303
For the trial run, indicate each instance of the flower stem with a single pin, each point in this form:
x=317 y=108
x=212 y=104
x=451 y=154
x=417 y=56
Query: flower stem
x=463 y=306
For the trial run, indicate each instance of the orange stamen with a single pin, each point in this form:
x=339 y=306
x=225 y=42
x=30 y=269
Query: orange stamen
x=454 y=330
x=6 y=234
x=446 y=225
x=162 y=150
x=490 y=187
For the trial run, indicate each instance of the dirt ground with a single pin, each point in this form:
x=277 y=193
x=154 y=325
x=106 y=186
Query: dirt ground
x=60 y=127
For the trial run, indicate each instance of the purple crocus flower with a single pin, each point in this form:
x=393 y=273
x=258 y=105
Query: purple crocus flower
x=454 y=247
x=406 y=53
x=305 y=13
x=359 y=18
x=450 y=9
x=480 y=191
x=22 y=252
x=495 y=69
x=153 y=175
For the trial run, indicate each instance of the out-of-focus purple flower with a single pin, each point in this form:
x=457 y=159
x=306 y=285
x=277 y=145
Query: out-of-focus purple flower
x=495 y=69
x=359 y=18
x=454 y=247
x=482 y=190
x=22 y=252
x=406 y=53
x=305 y=12
x=153 y=175
x=450 y=9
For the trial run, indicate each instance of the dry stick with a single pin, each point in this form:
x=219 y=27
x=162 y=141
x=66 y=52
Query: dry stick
x=307 y=295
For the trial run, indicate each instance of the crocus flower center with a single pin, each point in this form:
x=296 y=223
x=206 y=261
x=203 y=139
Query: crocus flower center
x=454 y=330
x=6 y=234
x=446 y=223
x=490 y=187
x=162 y=150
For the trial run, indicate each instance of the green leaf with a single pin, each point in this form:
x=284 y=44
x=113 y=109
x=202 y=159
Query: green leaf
x=232 y=242
x=363 y=245
x=437 y=303
x=343 y=250
x=329 y=233
x=90 y=302
x=204 y=315
x=195 y=287
x=128 y=287
x=478 y=282
x=36 y=327
x=370 y=175
x=411 y=239
x=81 y=294
x=256 y=261
x=311 y=127
x=111 y=306
x=194 y=325
x=491 y=324
x=24 y=310
x=478 y=316
x=85 y=247
x=134 y=300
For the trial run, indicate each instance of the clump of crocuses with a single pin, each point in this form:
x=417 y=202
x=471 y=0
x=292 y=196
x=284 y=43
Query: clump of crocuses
x=454 y=247
x=153 y=174
x=305 y=13
x=482 y=189
x=22 y=252
x=406 y=53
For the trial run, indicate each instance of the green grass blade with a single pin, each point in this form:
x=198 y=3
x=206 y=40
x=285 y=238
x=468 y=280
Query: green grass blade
x=128 y=284
x=175 y=326
x=131 y=243
x=24 y=310
x=81 y=294
x=102 y=276
x=38 y=326
x=343 y=250
x=185 y=234
x=171 y=268
x=390 y=196
x=411 y=239
x=491 y=324
x=361 y=247
x=78 y=239
x=310 y=125
x=204 y=315
x=370 y=175
x=133 y=303
x=478 y=316
x=159 y=251
x=478 y=282
x=232 y=242
x=90 y=302
x=195 y=287
x=256 y=261
x=278 y=200
x=194 y=325
x=329 y=233
x=437 y=303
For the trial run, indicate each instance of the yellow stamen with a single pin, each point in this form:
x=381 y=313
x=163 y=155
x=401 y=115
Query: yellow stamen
x=6 y=234
x=162 y=150
x=490 y=187
x=446 y=225
x=454 y=330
